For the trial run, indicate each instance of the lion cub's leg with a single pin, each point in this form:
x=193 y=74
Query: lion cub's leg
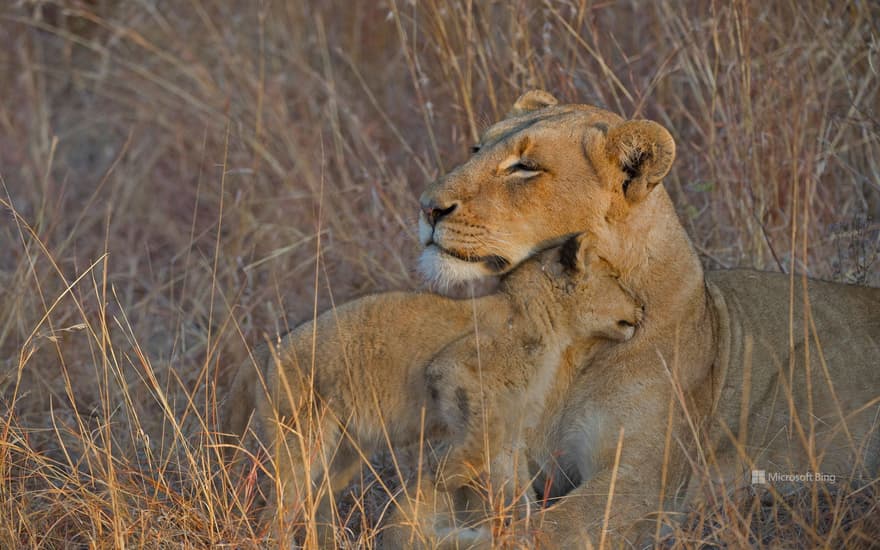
x=509 y=478
x=311 y=468
x=297 y=455
x=468 y=414
x=432 y=519
x=477 y=437
x=344 y=464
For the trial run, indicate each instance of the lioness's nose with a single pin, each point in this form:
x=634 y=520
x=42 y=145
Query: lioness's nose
x=434 y=211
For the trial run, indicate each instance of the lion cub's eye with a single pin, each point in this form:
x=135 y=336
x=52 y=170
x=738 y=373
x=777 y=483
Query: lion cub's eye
x=475 y=149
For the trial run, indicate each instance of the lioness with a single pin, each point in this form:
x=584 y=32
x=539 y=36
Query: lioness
x=361 y=373
x=733 y=371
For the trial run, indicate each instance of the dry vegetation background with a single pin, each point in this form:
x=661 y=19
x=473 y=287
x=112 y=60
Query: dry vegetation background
x=182 y=179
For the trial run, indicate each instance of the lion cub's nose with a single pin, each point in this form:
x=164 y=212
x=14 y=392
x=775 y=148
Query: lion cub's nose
x=435 y=212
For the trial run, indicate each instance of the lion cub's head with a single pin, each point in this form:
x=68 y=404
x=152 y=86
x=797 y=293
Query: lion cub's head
x=578 y=293
x=544 y=173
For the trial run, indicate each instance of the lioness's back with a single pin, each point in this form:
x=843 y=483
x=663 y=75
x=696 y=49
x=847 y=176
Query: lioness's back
x=844 y=320
x=814 y=356
x=771 y=296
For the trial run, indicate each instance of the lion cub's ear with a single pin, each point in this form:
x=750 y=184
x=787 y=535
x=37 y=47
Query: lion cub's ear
x=532 y=101
x=575 y=254
x=644 y=151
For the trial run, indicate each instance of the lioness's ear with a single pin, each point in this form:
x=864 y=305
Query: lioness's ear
x=532 y=101
x=644 y=151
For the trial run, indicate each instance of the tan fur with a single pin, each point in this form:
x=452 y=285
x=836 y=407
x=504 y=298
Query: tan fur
x=732 y=371
x=363 y=372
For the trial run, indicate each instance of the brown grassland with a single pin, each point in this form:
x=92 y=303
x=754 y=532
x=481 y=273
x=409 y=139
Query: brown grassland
x=181 y=180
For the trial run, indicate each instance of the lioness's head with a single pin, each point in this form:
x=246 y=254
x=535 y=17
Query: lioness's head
x=544 y=173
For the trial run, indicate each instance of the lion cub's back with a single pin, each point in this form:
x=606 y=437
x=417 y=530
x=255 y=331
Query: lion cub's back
x=374 y=341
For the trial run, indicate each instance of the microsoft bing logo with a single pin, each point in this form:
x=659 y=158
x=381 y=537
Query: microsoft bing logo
x=762 y=477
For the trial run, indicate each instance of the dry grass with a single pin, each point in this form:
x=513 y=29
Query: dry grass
x=181 y=180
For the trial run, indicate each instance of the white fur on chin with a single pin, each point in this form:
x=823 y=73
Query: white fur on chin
x=426 y=232
x=442 y=271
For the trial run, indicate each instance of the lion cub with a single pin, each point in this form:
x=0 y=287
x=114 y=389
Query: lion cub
x=359 y=376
